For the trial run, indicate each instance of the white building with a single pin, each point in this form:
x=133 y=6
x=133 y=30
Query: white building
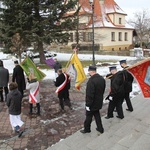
x=111 y=31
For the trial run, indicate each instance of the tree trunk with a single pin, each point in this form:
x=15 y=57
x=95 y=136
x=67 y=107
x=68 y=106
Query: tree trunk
x=41 y=52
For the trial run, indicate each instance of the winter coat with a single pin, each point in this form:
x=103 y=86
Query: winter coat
x=4 y=77
x=32 y=86
x=57 y=66
x=65 y=91
x=128 y=80
x=13 y=102
x=117 y=85
x=18 y=77
x=94 y=92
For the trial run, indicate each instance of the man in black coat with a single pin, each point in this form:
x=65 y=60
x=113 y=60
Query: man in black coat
x=116 y=94
x=128 y=84
x=63 y=84
x=18 y=77
x=4 y=79
x=94 y=100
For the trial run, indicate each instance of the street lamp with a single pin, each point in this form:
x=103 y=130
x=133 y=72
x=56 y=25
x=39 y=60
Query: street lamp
x=93 y=50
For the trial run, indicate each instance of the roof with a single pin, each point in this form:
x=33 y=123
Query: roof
x=102 y=9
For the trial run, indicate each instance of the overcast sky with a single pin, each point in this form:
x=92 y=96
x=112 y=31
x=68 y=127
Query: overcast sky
x=132 y=6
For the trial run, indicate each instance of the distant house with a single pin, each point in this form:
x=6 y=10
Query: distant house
x=111 y=31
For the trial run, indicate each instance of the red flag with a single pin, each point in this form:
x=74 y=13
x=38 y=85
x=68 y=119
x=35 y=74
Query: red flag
x=141 y=71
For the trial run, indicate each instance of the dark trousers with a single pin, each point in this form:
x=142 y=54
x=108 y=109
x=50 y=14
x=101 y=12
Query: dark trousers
x=1 y=93
x=128 y=101
x=38 y=108
x=21 y=90
x=64 y=98
x=115 y=103
x=88 y=120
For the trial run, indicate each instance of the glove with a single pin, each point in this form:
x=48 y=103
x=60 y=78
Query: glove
x=110 y=98
x=87 y=108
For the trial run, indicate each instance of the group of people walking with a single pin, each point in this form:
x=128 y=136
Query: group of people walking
x=14 y=92
x=120 y=88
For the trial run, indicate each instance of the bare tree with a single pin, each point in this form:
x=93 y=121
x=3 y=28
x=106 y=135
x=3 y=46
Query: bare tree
x=141 y=23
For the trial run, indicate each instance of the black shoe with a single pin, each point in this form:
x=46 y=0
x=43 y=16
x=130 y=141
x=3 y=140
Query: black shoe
x=108 y=117
x=84 y=131
x=20 y=134
x=119 y=117
x=102 y=131
x=129 y=110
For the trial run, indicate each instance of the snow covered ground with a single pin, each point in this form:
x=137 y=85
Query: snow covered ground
x=102 y=70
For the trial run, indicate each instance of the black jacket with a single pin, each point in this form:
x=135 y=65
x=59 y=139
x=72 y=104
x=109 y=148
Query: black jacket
x=128 y=80
x=4 y=77
x=13 y=102
x=94 y=92
x=117 y=84
x=18 y=76
x=59 y=80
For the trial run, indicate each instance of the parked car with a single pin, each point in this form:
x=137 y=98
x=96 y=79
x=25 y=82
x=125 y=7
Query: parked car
x=33 y=55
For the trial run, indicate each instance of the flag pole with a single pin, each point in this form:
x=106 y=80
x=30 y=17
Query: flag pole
x=74 y=51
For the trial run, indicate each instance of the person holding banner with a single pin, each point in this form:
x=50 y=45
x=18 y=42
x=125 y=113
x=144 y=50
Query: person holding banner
x=128 y=84
x=63 y=85
x=116 y=94
x=34 y=95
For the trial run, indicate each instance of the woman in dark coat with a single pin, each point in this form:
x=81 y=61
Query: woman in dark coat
x=18 y=77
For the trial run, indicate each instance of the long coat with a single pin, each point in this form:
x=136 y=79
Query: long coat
x=94 y=92
x=18 y=77
x=13 y=102
x=32 y=86
x=4 y=77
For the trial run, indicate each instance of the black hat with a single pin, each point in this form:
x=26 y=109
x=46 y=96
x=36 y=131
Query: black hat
x=92 y=68
x=122 y=61
x=16 y=62
x=112 y=68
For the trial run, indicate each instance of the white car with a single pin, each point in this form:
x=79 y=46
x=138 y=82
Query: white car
x=36 y=54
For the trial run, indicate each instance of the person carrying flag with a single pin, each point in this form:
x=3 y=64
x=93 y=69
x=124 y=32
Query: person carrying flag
x=63 y=85
x=34 y=95
x=128 y=84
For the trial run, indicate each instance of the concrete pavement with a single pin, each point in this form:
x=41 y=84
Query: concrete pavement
x=130 y=133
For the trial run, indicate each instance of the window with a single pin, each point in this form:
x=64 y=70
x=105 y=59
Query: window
x=90 y=36
x=120 y=21
x=126 y=36
x=112 y=36
x=120 y=36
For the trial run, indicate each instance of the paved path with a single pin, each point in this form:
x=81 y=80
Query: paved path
x=131 y=133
